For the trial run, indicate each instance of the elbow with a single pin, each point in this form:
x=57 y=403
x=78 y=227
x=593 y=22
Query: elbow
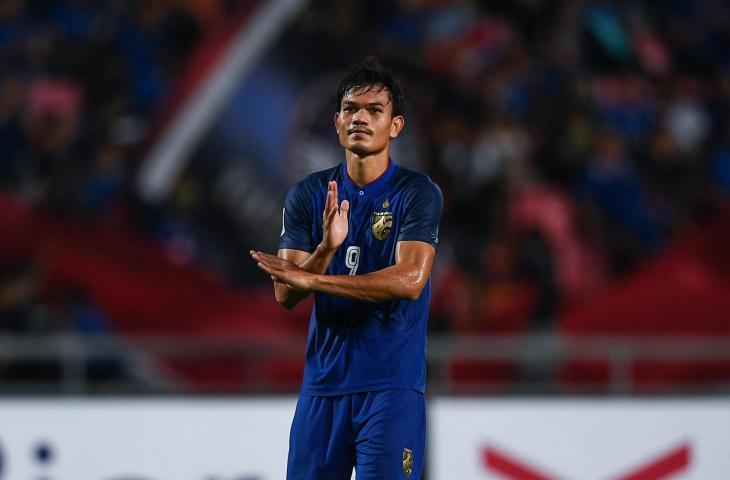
x=413 y=294
x=285 y=302
x=284 y=298
x=413 y=291
x=411 y=285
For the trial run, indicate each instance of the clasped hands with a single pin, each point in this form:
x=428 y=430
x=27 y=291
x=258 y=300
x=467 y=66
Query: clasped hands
x=334 y=232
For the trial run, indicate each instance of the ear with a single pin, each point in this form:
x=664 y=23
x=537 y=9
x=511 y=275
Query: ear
x=396 y=125
x=337 y=122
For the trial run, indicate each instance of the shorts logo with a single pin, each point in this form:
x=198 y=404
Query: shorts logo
x=407 y=462
x=382 y=222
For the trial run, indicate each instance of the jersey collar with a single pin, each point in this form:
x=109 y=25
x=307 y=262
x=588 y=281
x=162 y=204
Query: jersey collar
x=372 y=187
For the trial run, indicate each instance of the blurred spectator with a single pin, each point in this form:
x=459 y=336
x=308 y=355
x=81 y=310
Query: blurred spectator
x=21 y=307
x=611 y=182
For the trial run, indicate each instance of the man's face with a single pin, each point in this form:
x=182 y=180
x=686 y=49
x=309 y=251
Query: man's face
x=365 y=123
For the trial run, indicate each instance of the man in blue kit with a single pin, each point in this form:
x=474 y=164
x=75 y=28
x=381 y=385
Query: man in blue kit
x=362 y=236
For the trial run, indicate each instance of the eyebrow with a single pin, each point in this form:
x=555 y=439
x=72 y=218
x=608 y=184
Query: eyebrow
x=371 y=104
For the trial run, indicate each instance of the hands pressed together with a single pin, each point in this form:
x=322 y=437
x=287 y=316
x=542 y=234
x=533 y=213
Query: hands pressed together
x=334 y=232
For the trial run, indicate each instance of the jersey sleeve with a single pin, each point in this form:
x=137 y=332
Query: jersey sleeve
x=296 y=229
x=423 y=209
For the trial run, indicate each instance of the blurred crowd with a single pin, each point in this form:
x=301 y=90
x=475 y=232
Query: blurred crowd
x=572 y=139
x=80 y=83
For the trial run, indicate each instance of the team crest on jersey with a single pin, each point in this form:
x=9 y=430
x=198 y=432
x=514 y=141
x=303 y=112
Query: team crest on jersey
x=381 y=222
x=407 y=462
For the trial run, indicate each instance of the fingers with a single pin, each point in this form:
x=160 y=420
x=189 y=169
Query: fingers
x=331 y=210
x=272 y=264
x=328 y=203
x=271 y=269
x=259 y=256
x=256 y=255
x=331 y=196
x=330 y=214
x=334 y=192
x=266 y=262
x=266 y=268
x=344 y=208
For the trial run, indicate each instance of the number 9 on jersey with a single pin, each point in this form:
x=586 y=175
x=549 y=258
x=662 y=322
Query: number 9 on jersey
x=352 y=259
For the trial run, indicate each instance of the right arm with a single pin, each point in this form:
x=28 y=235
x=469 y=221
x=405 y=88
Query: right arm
x=315 y=262
x=334 y=232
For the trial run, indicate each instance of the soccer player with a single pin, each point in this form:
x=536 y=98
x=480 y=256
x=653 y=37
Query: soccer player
x=362 y=236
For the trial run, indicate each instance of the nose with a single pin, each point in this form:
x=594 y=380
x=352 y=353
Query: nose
x=360 y=117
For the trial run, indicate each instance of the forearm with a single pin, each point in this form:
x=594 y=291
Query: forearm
x=319 y=260
x=316 y=263
x=404 y=280
x=392 y=283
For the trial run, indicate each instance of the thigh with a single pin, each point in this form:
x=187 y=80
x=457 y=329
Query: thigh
x=390 y=438
x=321 y=440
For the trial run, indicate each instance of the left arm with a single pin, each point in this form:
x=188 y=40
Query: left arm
x=404 y=280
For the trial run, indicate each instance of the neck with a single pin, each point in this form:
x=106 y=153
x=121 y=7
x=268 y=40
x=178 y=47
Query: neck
x=367 y=169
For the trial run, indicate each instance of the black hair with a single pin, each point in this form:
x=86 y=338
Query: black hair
x=367 y=75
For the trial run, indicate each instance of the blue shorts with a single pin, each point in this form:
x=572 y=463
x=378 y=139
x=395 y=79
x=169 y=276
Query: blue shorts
x=381 y=434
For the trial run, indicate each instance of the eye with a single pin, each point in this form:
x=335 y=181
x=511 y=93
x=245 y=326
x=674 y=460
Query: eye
x=376 y=110
x=349 y=109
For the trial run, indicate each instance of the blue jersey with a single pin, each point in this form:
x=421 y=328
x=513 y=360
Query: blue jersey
x=357 y=346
